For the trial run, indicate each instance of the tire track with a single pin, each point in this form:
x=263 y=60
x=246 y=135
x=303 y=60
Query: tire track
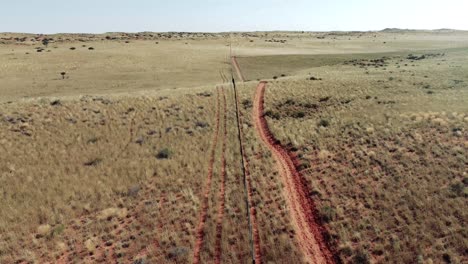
x=222 y=190
x=200 y=232
x=237 y=67
x=253 y=213
x=309 y=232
x=253 y=224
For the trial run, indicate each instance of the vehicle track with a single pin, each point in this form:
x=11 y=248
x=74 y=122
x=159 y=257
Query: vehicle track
x=200 y=231
x=253 y=224
x=253 y=213
x=237 y=67
x=309 y=232
x=222 y=190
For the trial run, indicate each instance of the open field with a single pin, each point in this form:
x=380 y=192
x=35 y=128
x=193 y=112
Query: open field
x=353 y=150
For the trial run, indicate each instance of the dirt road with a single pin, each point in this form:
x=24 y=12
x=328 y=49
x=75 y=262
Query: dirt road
x=238 y=70
x=200 y=233
x=309 y=233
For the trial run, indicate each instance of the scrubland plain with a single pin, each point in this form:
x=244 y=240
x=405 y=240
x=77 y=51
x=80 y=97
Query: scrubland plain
x=126 y=148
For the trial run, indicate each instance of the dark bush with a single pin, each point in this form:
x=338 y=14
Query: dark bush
x=324 y=123
x=45 y=42
x=361 y=257
x=272 y=114
x=457 y=189
x=163 y=154
x=247 y=103
x=56 y=103
x=201 y=124
x=324 y=99
x=327 y=214
x=93 y=162
x=298 y=115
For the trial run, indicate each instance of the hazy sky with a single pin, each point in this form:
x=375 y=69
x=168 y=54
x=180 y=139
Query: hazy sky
x=99 y=16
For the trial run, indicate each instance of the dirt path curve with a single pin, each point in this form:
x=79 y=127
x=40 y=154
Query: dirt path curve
x=237 y=67
x=200 y=231
x=222 y=189
x=309 y=233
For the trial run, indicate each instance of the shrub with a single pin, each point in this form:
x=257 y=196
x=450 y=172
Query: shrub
x=324 y=123
x=327 y=214
x=163 y=154
x=274 y=115
x=201 y=124
x=45 y=42
x=361 y=257
x=93 y=162
x=299 y=114
x=72 y=48
x=247 y=103
x=457 y=188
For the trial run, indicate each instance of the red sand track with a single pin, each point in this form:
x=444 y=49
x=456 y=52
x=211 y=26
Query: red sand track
x=222 y=190
x=200 y=233
x=238 y=70
x=309 y=233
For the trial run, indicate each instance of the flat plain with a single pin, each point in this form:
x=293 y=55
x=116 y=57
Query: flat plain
x=335 y=147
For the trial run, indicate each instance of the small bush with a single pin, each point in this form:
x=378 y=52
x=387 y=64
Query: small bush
x=457 y=189
x=324 y=123
x=163 y=154
x=56 y=103
x=361 y=257
x=289 y=102
x=93 y=162
x=247 y=103
x=201 y=124
x=327 y=214
x=299 y=114
x=274 y=115
x=72 y=48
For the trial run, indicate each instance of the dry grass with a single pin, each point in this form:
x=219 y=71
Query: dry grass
x=80 y=157
x=384 y=150
x=118 y=174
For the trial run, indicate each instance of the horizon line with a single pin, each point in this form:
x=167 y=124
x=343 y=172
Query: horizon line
x=236 y=31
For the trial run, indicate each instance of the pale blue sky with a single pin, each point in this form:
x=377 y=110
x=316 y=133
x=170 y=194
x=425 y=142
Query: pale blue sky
x=99 y=16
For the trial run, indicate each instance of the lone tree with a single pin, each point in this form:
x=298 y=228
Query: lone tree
x=63 y=75
x=45 y=42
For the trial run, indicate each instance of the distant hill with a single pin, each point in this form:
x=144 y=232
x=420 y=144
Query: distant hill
x=400 y=30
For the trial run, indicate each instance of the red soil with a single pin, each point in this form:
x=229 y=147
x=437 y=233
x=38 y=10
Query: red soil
x=238 y=70
x=200 y=232
x=222 y=191
x=309 y=232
